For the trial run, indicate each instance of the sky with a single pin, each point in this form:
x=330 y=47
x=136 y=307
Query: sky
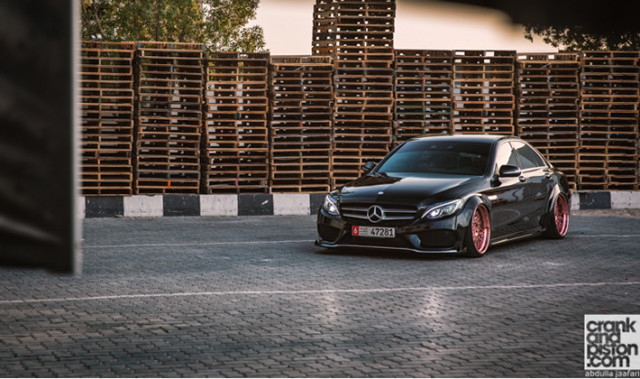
x=428 y=24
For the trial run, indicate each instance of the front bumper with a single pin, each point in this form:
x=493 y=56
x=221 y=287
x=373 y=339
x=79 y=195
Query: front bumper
x=322 y=243
x=444 y=236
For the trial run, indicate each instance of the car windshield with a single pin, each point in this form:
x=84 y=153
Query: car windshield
x=438 y=157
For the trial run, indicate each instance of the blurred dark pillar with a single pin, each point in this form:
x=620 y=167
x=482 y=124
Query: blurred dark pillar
x=37 y=135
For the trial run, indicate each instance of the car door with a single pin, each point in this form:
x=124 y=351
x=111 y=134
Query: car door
x=537 y=184
x=506 y=195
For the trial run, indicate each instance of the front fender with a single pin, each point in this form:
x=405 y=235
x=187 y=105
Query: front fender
x=464 y=218
x=551 y=202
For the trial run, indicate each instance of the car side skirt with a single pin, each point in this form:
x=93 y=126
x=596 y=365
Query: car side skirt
x=517 y=237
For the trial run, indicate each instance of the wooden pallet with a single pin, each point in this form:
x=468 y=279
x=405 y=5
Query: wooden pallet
x=423 y=93
x=483 y=92
x=608 y=152
x=548 y=106
x=236 y=139
x=359 y=35
x=354 y=24
x=169 y=118
x=301 y=124
x=107 y=118
x=335 y=114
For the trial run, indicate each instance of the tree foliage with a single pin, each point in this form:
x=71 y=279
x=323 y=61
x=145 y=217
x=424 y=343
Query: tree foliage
x=220 y=24
x=575 y=38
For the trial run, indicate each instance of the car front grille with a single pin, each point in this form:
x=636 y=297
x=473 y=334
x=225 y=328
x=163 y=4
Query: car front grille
x=393 y=213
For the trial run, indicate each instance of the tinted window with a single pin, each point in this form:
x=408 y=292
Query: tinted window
x=506 y=156
x=528 y=157
x=439 y=157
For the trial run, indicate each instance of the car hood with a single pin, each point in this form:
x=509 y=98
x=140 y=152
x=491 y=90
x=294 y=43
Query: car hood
x=408 y=190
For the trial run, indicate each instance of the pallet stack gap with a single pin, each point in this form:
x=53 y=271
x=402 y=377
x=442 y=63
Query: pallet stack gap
x=301 y=123
x=236 y=139
x=483 y=93
x=423 y=93
x=106 y=102
x=548 y=107
x=608 y=157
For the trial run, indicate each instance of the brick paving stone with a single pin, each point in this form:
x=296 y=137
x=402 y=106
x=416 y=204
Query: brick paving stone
x=439 y=316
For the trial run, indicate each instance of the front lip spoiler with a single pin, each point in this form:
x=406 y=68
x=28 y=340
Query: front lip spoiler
x=336 y=245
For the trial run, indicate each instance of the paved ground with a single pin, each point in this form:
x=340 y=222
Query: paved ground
x=199 y=297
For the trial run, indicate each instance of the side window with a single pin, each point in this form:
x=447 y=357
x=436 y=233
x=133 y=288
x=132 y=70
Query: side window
x=528 y=157
x=506 y=156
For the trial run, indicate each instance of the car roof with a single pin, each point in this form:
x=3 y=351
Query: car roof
x=486 y=138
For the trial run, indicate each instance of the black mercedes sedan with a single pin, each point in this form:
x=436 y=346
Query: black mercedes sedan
x=448 y=194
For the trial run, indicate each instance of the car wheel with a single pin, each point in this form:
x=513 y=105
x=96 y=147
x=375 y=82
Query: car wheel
x=479 y=232
x=558 y=223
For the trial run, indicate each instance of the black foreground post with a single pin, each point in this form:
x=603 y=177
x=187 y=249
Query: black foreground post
x=38 y=225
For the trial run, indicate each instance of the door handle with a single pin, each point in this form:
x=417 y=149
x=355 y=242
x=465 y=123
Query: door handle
x=522 y=179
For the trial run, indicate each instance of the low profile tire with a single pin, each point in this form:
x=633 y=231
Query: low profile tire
x=479 y=232
x=558 y=223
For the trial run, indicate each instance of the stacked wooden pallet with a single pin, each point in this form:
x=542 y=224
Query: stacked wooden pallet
x=608 y=157
x=301 y=124
x=483 y=97
x=236 y=146
x=324 y=39
x=354 y=26
x=107 y=98
x=169 y=118
x=359 y=34
x=423 y=93
x=548 y=106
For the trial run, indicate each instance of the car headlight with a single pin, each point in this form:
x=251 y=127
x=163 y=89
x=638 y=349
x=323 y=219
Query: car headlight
x=444 y=209
x=330 y=205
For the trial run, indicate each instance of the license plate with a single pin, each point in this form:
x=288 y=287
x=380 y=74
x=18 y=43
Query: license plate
x=373 y=231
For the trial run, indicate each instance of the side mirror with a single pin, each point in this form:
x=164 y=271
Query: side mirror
x=508 y=171
x=368 y=167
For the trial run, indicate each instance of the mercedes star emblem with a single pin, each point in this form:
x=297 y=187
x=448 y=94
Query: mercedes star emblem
x=375 y=214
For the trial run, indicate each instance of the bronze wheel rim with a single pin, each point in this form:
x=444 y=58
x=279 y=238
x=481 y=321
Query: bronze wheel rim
x=561 y=215
x=480 y=230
